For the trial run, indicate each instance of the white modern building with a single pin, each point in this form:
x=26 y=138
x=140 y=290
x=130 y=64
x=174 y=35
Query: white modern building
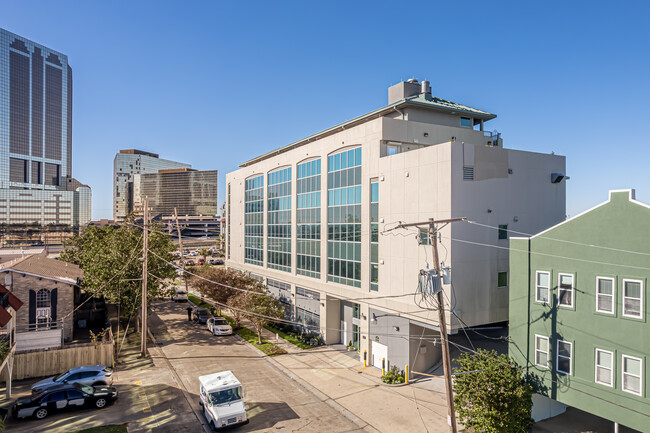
x=311 y=219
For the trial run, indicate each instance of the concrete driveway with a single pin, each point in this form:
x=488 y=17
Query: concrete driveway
x=274 y=401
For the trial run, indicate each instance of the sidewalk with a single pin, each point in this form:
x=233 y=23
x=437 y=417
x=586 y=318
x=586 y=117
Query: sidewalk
x=358 y=392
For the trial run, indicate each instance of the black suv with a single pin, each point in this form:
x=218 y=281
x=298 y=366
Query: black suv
x=63 y=397
x=201 y=315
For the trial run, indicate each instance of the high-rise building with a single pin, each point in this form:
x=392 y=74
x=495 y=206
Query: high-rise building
x=127 y=164
x=190 y=192
x=36 y=184
x=316 y=220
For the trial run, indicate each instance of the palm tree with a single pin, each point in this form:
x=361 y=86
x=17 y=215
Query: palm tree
x=204 y=252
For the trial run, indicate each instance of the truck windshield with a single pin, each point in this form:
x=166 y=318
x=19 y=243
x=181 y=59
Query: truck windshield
x=225 y=396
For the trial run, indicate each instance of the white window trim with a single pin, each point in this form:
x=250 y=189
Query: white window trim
x=623 y=374
x=612 y=370
x=640 y=316
x=557 y=357
x=548 y=288
x=613 y=295
x=573 y=282
x=547 y=351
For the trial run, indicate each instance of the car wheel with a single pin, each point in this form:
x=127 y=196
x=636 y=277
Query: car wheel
x=40 y=413
x=100 y=403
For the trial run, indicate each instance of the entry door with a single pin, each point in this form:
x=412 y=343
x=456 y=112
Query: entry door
x=379 y=352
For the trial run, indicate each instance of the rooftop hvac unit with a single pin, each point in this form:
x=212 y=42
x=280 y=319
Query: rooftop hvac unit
x=429 y=282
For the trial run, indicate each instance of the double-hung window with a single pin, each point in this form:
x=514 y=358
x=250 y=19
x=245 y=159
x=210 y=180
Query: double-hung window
x=564 y=354
x=565 y=290
x=632 y=374
x=542 y=286
x=541 y=351
x=604 y=373
x=633 y=298
x=605 y=295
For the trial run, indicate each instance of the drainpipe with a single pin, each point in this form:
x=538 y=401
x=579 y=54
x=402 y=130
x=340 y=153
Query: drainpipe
x=400 y=112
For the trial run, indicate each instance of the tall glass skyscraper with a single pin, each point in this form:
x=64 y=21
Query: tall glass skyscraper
x=36 y=136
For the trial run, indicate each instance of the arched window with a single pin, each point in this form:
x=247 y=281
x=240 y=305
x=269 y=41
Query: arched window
x=43 y=307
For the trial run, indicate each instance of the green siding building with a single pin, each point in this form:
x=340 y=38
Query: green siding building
x=579 y=313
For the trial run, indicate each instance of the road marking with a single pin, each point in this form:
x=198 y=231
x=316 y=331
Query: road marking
x=139 y=382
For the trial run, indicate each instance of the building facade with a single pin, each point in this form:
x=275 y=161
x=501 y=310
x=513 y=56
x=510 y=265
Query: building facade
x=579 y=315
x=313 y=219
x=127 y=164
x=36 y=136
x=190 y=192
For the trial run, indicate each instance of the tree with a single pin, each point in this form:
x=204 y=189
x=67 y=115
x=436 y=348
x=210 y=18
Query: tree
x=109 y=257
x=204 y=252
x=492 y=396
x=237 y=304
x=261 y=308
x=215 y=283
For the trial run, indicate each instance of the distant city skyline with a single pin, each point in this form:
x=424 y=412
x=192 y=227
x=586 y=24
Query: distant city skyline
x=216 y=84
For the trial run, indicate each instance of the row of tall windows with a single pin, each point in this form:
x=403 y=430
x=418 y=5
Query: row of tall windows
x=344 y=217
x=374 y=235
x=254 y=221
x=308 y=190
x=279 y=220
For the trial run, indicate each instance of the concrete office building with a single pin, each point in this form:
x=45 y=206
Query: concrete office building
x=310 y=219
x=36 y=183
x=130 y=162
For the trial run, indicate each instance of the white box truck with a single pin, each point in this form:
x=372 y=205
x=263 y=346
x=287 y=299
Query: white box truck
x=222 y=400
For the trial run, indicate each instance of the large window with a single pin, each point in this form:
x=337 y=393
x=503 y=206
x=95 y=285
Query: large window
x=564 y=354
x=374 y=236
x=605 y=295
x=344 y=217
x=254 y=221
x=633 y=298
x=43 y=307
x=565 y=290
x=541 y=351
x=279 y=220
x=632 y=374
x=308 y=189
x=542 y=286
x=604 y=373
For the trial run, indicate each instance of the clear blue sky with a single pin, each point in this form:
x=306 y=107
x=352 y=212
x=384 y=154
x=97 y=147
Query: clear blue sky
x=214 y=83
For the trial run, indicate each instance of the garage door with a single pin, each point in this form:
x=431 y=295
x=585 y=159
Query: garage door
x=379 y=352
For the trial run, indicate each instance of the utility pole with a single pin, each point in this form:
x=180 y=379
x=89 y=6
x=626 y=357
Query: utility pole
x=143 y=342
x=180 y=240
x=446 y=361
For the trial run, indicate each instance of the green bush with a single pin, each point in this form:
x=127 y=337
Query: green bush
x=394 y=375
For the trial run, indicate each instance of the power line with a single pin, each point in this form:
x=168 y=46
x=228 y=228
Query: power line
x=559 y=240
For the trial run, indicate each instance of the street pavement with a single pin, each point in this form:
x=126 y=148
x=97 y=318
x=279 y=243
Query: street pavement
x=275 y=401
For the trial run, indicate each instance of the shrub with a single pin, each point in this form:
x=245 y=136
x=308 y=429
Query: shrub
x=394 y=375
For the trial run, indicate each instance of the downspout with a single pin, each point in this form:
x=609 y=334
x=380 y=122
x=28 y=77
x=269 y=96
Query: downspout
x=400 y=112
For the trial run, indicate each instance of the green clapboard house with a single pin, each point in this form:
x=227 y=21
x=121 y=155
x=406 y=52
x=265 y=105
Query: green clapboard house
x=579 y=312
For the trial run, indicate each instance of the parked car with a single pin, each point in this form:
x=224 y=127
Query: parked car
x=62 y=397
x=211 y=262
x=94 y=375
x=219 y=326
x=180 y=296
x=189 y=263
x=218 y=262
x=201 y=262
x=200 y=315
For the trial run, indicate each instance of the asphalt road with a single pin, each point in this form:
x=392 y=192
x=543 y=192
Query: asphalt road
x=274 y=401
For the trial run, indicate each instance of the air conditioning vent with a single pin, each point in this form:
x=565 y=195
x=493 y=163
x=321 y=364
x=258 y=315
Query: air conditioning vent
x=468 y=173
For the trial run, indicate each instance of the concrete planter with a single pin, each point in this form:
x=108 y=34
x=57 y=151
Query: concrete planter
x=393 y=384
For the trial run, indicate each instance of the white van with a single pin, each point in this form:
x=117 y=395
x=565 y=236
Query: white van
x=222 y=400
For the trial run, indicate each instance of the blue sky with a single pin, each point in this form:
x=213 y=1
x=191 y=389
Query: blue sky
x=214 y=83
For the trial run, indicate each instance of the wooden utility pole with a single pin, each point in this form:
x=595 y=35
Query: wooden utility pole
x=180 y=240
x=143 y=341
x=446 y=361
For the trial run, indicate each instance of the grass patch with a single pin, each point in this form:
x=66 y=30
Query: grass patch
x=117 y=428
x=290 y=338
x=266 y=346
x=199 y=303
